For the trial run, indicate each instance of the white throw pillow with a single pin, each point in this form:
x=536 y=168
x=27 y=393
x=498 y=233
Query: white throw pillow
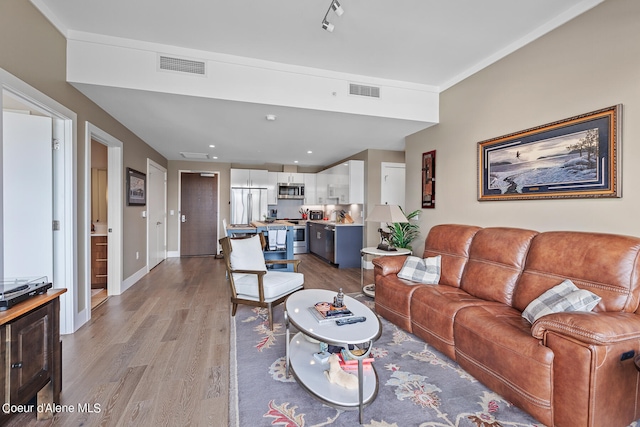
x=246 y=254
x=420 y=270
x=563 y=297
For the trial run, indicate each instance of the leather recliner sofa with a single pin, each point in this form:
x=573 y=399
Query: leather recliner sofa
x=566 y=369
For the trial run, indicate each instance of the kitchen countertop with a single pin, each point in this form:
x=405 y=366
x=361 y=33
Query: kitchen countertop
x=276 y=222
x=337 y=224
x=255 y=224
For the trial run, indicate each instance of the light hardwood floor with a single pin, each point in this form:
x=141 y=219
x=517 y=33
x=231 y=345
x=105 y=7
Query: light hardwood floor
x=158 y=355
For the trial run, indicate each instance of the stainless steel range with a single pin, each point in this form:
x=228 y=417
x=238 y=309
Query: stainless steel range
x=300 y=244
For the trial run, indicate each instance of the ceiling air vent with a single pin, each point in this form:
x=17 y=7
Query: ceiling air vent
x=362 y=90
x=194 y=156
x=180 y=65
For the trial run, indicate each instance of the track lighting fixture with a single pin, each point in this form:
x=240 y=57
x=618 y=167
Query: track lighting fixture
x=337 y=9
x=326 y=25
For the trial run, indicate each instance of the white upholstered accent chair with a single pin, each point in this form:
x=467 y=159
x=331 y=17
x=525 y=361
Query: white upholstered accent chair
x=250 y=280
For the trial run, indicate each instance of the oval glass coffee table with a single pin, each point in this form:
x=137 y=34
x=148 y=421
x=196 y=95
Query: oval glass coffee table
x=300 y=351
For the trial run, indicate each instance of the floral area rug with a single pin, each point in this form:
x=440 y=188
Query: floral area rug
x=418 y=386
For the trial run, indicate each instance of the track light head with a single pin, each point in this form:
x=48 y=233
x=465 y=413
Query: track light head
x=337 y=8
x=326 y=25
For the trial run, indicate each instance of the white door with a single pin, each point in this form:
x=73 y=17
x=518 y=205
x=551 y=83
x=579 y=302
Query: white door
x=27 y=170
x=157 y=214
x=393 y=182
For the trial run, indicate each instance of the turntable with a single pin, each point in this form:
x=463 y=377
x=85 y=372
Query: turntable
x=16 y=290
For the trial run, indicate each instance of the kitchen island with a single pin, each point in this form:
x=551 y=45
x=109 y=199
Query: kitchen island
x=276 y=248
x=337 y=243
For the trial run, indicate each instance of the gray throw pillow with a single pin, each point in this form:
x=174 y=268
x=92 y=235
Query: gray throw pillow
x=420 y=270
x=563 y=297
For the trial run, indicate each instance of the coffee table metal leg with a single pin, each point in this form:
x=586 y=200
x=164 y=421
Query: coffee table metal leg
x=360 y=376
x=361 y=390
x=286 y=322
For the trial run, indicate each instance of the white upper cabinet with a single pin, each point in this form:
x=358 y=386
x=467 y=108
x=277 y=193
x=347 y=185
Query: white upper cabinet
x=310 y=193
x=272 y=188
x=290 y=178
x=249 y=178
x=342 y=184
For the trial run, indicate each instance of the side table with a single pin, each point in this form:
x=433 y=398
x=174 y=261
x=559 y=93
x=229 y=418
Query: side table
x=370 y=289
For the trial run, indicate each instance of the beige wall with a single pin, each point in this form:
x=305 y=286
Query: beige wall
x=35 y=52
x=589 y=63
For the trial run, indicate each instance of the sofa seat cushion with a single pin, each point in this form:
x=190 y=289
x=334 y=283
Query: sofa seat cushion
x=495 y=345
x=433 y=310
x=276 y=284
x=393 y=298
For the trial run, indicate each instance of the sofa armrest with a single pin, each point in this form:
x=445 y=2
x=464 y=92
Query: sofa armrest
x=590 y=328
x=389 y=264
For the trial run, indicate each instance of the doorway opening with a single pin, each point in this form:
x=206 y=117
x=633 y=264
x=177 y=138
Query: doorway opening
x=156 y=214
x=61 y=200
x=103 y=218
x=198 y=213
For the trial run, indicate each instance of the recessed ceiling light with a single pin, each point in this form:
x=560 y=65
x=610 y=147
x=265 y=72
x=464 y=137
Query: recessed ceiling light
x=295 y=161
x=215 y=157
x=212 y=146
x=309 y=152
x=270 y=117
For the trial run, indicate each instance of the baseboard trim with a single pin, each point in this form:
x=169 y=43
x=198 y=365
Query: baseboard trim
x=133 y=279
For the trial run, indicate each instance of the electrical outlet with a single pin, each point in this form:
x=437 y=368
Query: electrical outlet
x=137 y=255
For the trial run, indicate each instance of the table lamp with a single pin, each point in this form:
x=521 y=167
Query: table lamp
x=386 y=214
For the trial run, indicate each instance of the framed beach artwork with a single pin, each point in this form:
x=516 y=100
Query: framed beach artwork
x=578 y=157
x=429 y=179
x=136 y=188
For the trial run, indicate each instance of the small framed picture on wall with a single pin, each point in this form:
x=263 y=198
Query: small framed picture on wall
x=429 y=179
x=136 y=188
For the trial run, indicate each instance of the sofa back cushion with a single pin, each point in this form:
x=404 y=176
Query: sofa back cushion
x=451 y=242
x=605 y=264
x=496 y=260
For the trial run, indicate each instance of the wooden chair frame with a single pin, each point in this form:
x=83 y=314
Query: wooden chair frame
x=225 y=242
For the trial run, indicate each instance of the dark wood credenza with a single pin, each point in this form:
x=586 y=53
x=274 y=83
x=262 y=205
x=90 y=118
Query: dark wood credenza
x=31 y=354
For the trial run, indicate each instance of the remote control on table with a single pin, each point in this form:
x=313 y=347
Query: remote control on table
x=350 y=320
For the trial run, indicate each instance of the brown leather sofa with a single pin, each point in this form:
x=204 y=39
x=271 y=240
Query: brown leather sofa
x=567 y=369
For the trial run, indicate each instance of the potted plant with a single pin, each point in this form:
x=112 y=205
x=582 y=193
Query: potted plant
x=403 y=233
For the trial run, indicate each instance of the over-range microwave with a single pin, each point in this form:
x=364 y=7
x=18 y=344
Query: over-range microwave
x=288 y=190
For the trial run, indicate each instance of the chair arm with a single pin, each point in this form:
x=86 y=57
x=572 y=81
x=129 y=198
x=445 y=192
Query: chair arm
x=295 y=262
x=590 y=328
x=389 y=264
x=258 y=272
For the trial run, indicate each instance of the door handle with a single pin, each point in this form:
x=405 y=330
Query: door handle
x=158 y=223
x=184 y=218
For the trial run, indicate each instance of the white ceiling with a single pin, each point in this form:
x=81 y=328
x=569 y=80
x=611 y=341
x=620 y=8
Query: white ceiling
x=429 y=42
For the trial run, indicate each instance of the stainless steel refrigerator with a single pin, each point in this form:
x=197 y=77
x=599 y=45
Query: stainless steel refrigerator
x=248 y=204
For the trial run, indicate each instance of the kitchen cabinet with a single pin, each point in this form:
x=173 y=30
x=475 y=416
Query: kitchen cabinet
x=290 y=177
x=321 y=238
x=99 y=253
x=337 y=244
x=310 y=193
x=31 y=353
x=272 y=188
x=322 y=182
x=344 y=183
x=249 y=178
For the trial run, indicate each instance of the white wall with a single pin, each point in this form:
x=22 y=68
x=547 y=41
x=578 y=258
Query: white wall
x=109 y=61
x=589 y=63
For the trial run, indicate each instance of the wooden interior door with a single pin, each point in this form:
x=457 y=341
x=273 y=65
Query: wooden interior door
x=198 y=214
